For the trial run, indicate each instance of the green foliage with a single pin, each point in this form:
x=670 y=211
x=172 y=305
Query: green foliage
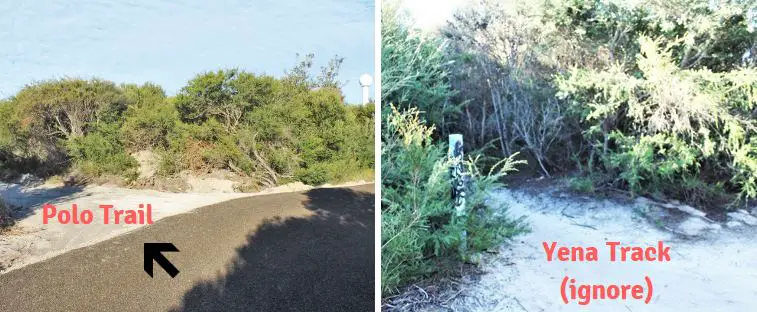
x=414 y=69
x=270 y=130
x=67 y=108
x=38 y=122
x=418 y=226
x=581 y=184
x=314 y=175
x=662 y=125
x=101 y=153
x=14 y=141
x=225 y=95
x=650 y=96
x=149 y=118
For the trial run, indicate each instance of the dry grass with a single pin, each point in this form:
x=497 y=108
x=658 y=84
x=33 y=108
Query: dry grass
x=441 y=293
x=424 y=298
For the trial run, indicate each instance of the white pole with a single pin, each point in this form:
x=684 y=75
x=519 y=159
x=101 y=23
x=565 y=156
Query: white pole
x=455 y=153
x=365 y=84
x=366 y=92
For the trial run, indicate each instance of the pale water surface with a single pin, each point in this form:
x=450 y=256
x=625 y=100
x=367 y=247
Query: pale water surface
x=168 y=42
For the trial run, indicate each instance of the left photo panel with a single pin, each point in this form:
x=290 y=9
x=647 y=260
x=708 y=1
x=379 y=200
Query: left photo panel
x=187 y=155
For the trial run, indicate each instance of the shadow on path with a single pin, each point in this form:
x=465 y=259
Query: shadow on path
x=26 y=199
x=321 y=263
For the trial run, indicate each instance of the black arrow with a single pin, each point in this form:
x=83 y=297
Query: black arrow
x=153 y=252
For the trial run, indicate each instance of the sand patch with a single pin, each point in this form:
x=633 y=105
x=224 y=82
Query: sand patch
x=712 y=267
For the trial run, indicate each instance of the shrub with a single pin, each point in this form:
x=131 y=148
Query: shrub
x=581 y=184
x=225 y=95
x=414 y=69
x=149 y=119
x=67 y=108
x=315 y=175
x=265 y=129
x=418 y=226
x=663 y=126
x=649 y=96
x=101 y=152
x=505 y=57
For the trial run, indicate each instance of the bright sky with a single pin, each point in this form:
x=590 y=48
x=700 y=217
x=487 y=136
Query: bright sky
x=169 y=41
x=430 y=14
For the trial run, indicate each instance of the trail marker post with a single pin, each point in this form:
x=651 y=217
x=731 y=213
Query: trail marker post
x=455 y=154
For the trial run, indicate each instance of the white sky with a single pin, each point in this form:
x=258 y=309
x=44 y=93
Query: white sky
x=169 y=41
x=430 y=14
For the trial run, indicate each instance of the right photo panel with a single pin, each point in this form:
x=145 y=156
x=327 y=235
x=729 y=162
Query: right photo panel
x=566 y=155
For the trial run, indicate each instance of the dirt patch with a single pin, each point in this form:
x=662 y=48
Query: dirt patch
x=148 y=163
x=217 y=181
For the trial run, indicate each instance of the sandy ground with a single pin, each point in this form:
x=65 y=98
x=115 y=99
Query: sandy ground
x=31 y=241
x=713 y=265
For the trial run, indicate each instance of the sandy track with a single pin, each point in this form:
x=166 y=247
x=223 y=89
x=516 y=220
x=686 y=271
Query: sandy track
x=715 y=270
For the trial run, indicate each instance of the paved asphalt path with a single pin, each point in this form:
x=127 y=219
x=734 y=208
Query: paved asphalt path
x=310 y=251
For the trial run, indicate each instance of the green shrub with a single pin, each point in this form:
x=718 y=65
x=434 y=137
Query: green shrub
x=655 y=97
x=223 y=95
x=581 y=184
x=418 y=227
x=149 y=119
x=265 y=129
x=315 y=175
x=100 y=152
x=414 y=69
x=662 y=127
x=169 y=163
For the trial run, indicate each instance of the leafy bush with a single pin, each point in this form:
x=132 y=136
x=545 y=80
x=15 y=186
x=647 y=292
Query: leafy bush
x=101 y=153
x=414 y=69
x=505 y=58
x=661 y=127
x=68 y=107
x=225 y=95
x=15 y=146
x=418 y=226
x=649 y=96
x=149 y=119
x=49 y=113
x=272 y=130
x=314 y=175
x=581 y=184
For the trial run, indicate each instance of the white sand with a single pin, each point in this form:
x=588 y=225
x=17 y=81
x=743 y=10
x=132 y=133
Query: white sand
x=716 y=270
x=31 y=241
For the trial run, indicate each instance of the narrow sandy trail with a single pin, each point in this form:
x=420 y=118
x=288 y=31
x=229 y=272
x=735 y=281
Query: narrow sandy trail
x=712 y=269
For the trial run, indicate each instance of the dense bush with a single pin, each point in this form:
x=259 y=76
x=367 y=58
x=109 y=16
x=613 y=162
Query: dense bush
x=269 y=130
x=420 y=233
x=675 y=114
x=101 y=153
x=657 y=97
x=414 y=70
x=149 y=118
x=668 y=125
x=419 y=227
